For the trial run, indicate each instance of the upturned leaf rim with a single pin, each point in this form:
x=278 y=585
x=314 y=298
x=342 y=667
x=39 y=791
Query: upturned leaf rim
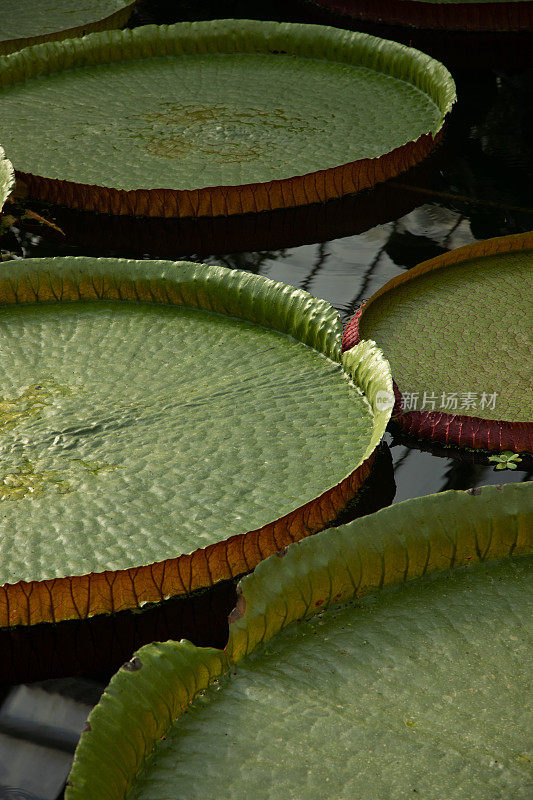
x=399 y=544
x=462 y=430
x=236 y=36
x=225 y=291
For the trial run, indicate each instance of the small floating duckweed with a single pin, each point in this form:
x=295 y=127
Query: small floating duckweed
x=506 y=460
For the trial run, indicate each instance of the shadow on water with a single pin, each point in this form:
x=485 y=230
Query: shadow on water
x=175 y=238
x=438 y=468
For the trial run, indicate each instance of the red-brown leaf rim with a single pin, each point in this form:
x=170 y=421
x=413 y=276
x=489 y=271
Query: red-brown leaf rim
x=453 y=429
x=82 y=596
x=266 y=37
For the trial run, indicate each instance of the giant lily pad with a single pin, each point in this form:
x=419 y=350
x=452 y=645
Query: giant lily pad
x=469 y=15
x=455 y=329
x=27 y=22
x=271 y=230
x=417 y=689
x=165 y=426
x=247 y=116
x=7 y=177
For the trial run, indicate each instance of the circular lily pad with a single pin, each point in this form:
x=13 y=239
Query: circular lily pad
x=28 y=22
x=467 y=15
x=455 y=330
x=166 y=428
x=7 y=177
x=247 y=116
x=417 y=687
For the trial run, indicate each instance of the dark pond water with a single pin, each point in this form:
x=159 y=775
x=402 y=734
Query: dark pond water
x=478 y=185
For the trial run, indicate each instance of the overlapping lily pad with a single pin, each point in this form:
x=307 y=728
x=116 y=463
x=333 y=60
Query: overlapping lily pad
x=27 y=22
x=166 y=426
x=468 y=15
x=417 y=689
x=455 y=330
x=248 y=116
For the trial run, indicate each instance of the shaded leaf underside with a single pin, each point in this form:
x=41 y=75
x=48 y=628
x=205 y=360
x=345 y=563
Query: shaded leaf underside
x=132 y=433
x=416 y=688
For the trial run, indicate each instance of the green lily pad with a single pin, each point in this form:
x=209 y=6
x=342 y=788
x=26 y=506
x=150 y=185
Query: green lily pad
x=415 y=685
x=167 y=427
x=247 y=116
x=455 y=330
x=7 y=177
x=27 y=22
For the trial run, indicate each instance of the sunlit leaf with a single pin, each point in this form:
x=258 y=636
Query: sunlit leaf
x=7 y=178
x=247 y=116
x=415 y=684
x=164 y=426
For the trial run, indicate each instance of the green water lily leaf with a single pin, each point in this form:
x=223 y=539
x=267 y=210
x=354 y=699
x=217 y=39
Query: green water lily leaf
x=506 y=460
x=455 y=332
x=415 y=684
x=166 y=425
x=247 y=116
x=7 y=177
x=27 y=22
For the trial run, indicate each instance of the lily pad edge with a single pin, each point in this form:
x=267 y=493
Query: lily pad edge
x=231 y=292
x=454 y=429
x=268 y=602
x=427 y=74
